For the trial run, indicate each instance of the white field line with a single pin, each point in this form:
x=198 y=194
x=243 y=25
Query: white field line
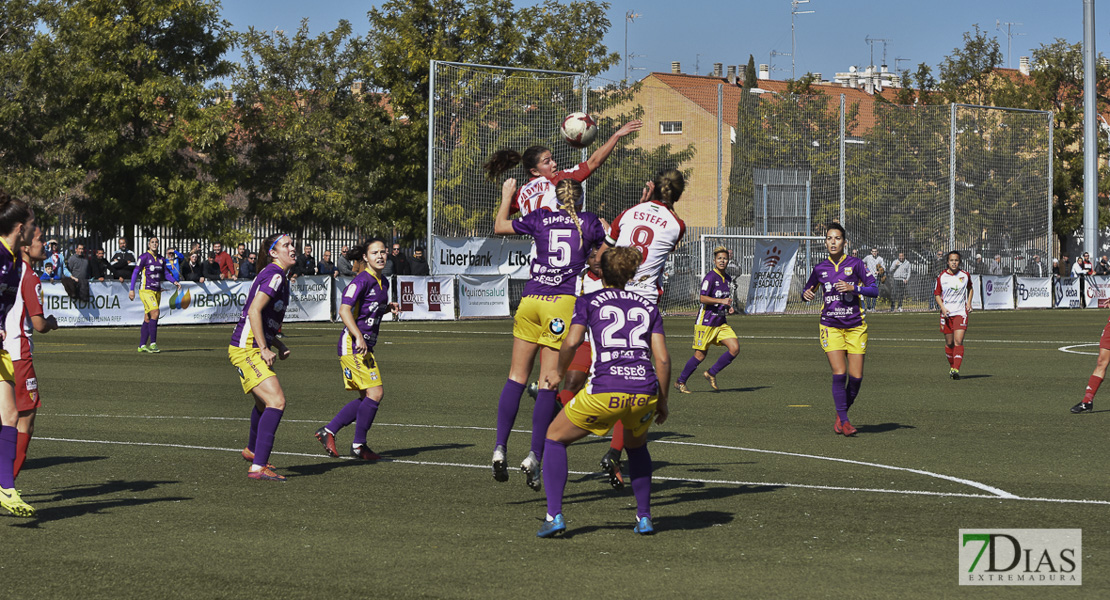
x=994 y=492
x=1070 y=349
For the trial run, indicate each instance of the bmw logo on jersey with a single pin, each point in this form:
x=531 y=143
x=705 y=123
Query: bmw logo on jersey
x=557 y=326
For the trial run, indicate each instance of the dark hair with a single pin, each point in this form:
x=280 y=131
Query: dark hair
x=359 y=251
x=837 y=226
x=264 y=259
x=505 y=159
x=212 y=254
x=618 y=265
x=669 y=185
x=13 y=211
x=958 y=255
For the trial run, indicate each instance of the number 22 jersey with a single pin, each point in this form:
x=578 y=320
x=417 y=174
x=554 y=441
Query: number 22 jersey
x=620 y=325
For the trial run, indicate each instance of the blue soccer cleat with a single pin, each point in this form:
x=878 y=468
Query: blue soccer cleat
x=556 y=525
x=644 y=527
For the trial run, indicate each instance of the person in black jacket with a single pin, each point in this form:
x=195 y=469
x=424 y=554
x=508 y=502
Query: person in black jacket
x=211 y=269
x=418 y=264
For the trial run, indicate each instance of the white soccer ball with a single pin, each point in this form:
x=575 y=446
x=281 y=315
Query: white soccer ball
x=579 y=129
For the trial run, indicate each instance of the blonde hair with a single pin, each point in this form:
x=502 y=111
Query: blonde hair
x=669 y=185
x=619 y=264
x=718 y=250
x=569 y=193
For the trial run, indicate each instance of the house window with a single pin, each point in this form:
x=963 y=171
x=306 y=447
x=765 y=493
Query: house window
x=667 y=127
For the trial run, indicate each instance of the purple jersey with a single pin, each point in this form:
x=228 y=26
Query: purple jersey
x=369 y=301
x=840 y=310
x=150 y=272
x=11 y=273
x=273 y=282
x=715 y=285
x=560 y=252
x=620 y=325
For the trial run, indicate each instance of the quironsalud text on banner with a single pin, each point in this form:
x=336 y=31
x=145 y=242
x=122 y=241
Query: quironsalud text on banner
x=483 y=296
x=772 y=274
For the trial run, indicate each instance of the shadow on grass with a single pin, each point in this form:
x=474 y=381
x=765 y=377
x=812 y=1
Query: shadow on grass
x=962 y=377
x=882 y=427
x=703 y=519
x=754 y=388
x=328 y=463
x=184 y=350
x=44 y=462
x=57 y=513
x=405 y=452
x=78 y=509
x=99 y=489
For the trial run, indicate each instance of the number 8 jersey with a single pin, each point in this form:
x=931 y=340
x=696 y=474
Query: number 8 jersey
x=620 y=325
x=655 y=231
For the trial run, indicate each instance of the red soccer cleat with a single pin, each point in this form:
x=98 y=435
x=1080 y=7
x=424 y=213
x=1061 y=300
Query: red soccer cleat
x=265 y=474
x=837 y=426
x=364 y=452
x=327 y=438
x=847 y=429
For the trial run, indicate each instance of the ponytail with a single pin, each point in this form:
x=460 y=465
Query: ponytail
x=669 y=185
x=505 y=159
x=13 y=212
x=569 y=194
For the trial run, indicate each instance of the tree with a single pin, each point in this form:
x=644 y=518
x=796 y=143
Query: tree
x=110 y=100
x=966 y=74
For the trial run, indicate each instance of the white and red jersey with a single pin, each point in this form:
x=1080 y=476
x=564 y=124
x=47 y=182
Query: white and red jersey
x=539 y=193
x=954 y=290
x=655 y=231
x=588 y=282
x=28 y=303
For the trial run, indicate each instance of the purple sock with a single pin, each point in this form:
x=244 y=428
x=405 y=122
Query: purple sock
x=144 y=333
x=840 y=395
x=554 y=475
x=267 y=429
x=725 y=360
x=639 y=470
x=367 y=410
x=345 y=416
x=255 y=416
x=688 y=370
x=8 y=437
x=507 y=407
x=152 y=330
x=853 y=389
x=542 y=415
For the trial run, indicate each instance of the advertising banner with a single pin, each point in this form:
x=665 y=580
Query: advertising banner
x=977 y=296
x=1034 y=292
x=480 y=256
x=1067 y=292
x=998 y=292
x=1096 y=291
x=772 y=272
x=426 y=298
x=483 y=296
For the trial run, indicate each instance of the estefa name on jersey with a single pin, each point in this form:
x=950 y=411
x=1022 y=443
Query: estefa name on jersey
x=652 y=218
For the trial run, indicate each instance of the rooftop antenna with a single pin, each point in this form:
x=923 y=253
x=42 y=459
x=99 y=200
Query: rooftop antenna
x=771 y=60
x=793 y=44
x=870 y=40
x=697 y=64
x=898 y=60
x=629 y=17
x=1009 y=38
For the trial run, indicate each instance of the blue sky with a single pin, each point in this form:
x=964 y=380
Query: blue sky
x=707 y=31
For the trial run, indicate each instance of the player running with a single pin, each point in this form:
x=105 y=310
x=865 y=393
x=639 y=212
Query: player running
x=17 y=224
x=149 y=273
x=953 y=293
x=251 y=356
x=365 y=302
x=627 y=334
x=652 y=228
x=1088 y=403
x=23 y=318
x=711 y=326
x=539 y=164
x=841 y=280
x=563 y=239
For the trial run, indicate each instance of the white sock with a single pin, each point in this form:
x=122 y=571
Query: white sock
x=549 y=518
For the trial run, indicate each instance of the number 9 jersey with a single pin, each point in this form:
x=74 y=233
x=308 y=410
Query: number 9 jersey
x=620 y=324
x=655 y=231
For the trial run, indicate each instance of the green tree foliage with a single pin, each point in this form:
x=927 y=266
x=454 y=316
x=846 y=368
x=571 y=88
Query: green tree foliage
x=966 y=74
x=108 y=107
x=311 y=146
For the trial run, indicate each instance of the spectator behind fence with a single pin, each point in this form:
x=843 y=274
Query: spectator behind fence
x=1103 y=266
x=223 y=260
x=1063 y=267
x=342 y=265
x=1078 y=269
x=212 y=270
x=123 y=253
x=48 y=273
x=54 y=257
x=1036 y=268
x=241 y=253
x=978 y=266
x=77 y=284
x=396 y=264
x=1088 y=266
x=99 y=267
x=419 y=265
x=872 y=263
x=995 y=266
x=193 y=269
x=326 y=266
x=900 y=271
x=306 y=263
x=247 y=268
x=173 y=263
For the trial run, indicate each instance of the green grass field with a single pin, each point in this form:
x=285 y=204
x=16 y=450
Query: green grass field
x=141 y=492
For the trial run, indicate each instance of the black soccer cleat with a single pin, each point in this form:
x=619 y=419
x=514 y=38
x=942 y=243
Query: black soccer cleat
x=1083 y=407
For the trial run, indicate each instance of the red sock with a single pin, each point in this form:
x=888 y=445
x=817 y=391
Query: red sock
x=565 y=396
x=948 y=352
x=617 y=443
x=1092 y=388
x=22 y=440
x=957 y=357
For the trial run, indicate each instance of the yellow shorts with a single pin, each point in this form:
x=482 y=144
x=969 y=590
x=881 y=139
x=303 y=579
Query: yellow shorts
x=544 y=320
x=151 y=300
x=597 y=413
x=252 y=369
x=704 y=335
x=360 y=371
x=853 y=339
x=7 y=367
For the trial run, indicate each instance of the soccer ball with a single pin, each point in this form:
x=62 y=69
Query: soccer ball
x=579 y=129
